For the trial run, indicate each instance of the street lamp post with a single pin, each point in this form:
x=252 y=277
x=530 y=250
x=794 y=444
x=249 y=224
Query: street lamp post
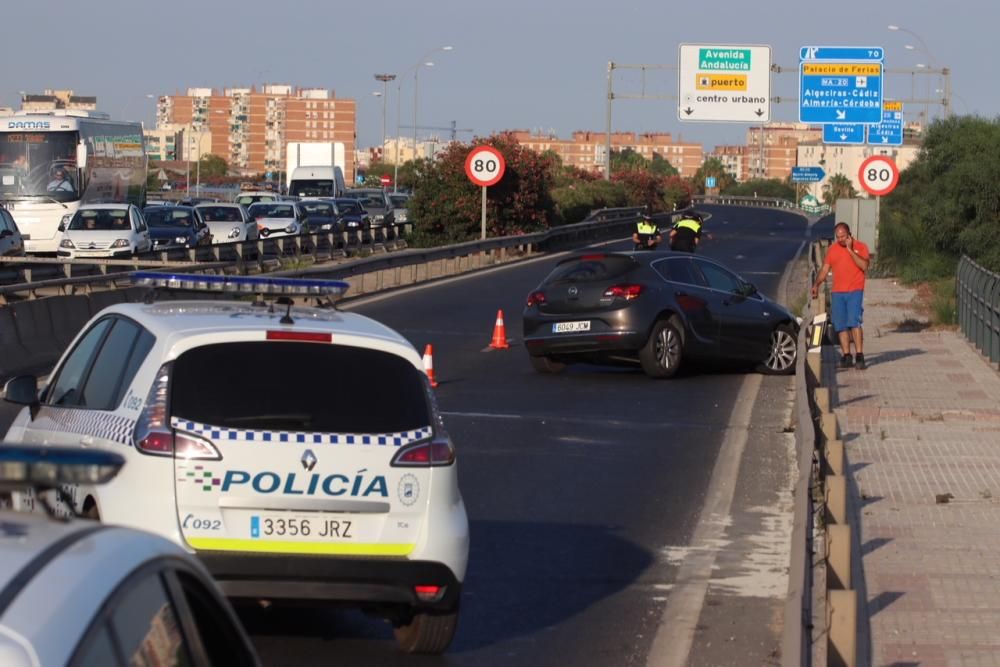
x=385 y=79
x=930 y=66
x=399 y=90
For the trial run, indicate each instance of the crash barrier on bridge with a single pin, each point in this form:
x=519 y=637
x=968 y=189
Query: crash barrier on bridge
x=978 y=304
x=830 y=616
x=249 y=256
x=39 y=332
x=733 y=200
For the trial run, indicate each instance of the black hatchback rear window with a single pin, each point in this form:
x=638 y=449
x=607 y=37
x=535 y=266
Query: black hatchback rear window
x=292 y=386
x=591 y=268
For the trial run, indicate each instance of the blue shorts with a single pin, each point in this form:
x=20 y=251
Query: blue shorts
x=846 y=309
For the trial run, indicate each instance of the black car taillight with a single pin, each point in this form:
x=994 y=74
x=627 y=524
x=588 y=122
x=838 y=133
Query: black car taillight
x=627 y=292
x=153 y=434
x=536 y=298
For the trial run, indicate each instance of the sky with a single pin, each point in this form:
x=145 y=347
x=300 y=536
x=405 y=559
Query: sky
x=538 y=65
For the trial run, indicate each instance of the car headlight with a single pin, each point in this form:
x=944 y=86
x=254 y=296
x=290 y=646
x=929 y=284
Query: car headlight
x=400 y=217
x=291 y=229
x=120 y=243
x=235 y=232
x=325 y=227
x=180 y=239
x=378 y=218
x=66 y=243
x=65 y=219
x=352 y=223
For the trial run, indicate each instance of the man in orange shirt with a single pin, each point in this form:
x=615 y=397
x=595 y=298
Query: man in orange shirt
x=848 y=259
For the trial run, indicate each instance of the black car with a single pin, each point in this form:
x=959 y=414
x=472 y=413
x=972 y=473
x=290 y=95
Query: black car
x=321 y=215
x=656 y=309
x=176 y=227
x=353 y=215
x=376 y=203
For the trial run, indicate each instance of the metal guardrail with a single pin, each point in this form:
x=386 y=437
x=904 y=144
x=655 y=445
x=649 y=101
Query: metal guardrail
x=739 y=200
x=265 y=256
x=978 y=304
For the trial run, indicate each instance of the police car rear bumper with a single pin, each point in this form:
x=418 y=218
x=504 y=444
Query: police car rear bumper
x=323 y=578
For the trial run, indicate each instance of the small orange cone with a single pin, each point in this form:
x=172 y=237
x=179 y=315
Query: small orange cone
x=429 y=364
x=499 y=341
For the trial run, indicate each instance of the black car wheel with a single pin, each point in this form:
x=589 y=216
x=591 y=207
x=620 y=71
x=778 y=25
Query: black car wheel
x=661 y=355
x=546 y=365
x=784 y=348
x=427 y=632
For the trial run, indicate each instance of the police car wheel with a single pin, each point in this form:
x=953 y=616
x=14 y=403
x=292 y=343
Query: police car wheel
x=662 y=354
x=547 y=365
x=781 y=356
x=427 y=632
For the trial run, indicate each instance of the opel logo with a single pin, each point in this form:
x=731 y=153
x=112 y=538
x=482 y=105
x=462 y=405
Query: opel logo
x=573 y=291
x=309 y=460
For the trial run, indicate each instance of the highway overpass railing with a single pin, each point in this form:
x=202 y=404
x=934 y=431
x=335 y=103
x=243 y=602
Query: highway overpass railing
x=43 y=316
x=978 y=305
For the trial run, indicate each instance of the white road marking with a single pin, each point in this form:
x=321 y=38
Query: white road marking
x=674 y=637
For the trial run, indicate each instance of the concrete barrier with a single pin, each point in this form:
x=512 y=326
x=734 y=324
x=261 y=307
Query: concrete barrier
x=838 y=557
x=842 y=643
x=12 y=353
x=35 y=330
x=101 y=300
x=68 y=314
x=836 y=500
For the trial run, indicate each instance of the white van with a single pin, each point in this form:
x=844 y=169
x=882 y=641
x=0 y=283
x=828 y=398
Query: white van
x=317 y=182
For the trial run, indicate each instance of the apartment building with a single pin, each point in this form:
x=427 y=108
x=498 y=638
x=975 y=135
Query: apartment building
x=587 y=150
x=57 y=99
x=250 y=129
x=770 y=150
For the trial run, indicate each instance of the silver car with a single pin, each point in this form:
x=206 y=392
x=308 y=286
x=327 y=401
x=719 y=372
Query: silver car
x=228 y=222
x=284 y=218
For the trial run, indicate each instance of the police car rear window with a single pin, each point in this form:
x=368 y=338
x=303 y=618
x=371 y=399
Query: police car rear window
x=291 y=386
x=591 y=268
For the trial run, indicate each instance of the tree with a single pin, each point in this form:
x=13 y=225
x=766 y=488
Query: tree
x=760 y=187
x=213 y=165
x=661 y=166
x=837 y=187
x=712 y=167
x=627 y=159
x=947 y=202
x=446 y=205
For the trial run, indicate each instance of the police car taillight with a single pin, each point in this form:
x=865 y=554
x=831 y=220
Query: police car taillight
x=426 y=454
x=429 y=592
x=153 y=434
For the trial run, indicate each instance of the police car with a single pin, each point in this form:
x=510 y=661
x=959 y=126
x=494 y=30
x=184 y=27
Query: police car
x=252 y=441
x=84 y=593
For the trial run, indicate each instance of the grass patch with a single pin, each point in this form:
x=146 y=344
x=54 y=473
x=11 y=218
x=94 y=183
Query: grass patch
x=943 y=305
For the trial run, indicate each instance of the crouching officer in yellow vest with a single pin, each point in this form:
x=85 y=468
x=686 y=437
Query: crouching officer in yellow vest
x=686 y=233
x=646 y=235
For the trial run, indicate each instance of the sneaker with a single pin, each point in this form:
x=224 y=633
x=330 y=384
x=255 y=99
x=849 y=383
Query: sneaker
x=846 y=361
x=859 y=362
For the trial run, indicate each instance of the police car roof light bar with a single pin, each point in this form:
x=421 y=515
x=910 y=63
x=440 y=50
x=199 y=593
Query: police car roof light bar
x=240 y=284
x=49 y=467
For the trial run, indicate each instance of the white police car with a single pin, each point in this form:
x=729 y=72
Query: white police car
x=84 y=593
x=252 y=440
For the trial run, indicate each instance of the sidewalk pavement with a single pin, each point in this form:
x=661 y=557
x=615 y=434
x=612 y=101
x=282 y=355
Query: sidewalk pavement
x=921 y=428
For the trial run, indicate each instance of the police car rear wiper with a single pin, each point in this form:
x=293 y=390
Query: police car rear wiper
x=43 y=469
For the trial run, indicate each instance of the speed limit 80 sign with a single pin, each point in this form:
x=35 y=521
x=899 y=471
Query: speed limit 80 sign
x=485 y=166
x=878 y=175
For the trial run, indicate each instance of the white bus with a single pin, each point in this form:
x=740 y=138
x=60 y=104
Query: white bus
x=53 y=161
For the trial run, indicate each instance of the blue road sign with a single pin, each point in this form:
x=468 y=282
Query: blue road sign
x=862 y=53
x=807 y=174
x=840 y=92
x=890 y=131
x=710 y=181
x=844 y=133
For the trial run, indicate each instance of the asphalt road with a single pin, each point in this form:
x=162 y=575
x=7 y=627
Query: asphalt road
x=584 y=489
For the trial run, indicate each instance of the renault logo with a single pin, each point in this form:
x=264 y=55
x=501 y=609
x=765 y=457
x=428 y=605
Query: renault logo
x=573 y=291
x=309 y=460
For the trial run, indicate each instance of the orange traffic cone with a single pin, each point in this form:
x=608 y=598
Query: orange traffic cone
x=499 y=341
x=429 y=364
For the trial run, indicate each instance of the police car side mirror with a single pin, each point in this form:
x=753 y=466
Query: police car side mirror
x=22 y=390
